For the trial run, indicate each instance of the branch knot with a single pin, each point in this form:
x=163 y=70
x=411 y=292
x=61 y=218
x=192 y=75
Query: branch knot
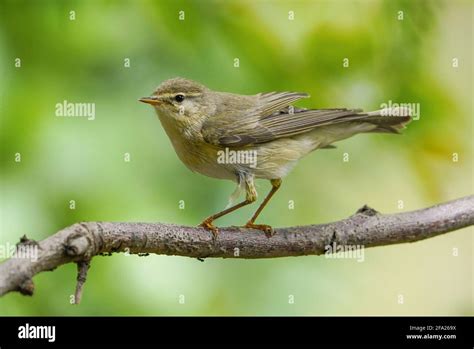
x=81 y=243
x=367 y=211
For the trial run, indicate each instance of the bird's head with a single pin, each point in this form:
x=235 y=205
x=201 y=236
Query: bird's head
x=182 y=100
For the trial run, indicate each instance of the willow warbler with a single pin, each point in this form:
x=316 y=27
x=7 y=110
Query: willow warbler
x=245 y=137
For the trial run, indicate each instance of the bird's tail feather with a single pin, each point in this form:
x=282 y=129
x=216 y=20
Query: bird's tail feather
x=389 y=120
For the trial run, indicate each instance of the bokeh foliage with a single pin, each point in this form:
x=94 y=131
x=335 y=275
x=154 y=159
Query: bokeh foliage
x=65 y=159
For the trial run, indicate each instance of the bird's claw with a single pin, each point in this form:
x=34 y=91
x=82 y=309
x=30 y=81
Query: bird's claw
x=210 y=227
x=267 y=229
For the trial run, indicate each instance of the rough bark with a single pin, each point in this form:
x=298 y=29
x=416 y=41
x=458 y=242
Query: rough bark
x=80 y=242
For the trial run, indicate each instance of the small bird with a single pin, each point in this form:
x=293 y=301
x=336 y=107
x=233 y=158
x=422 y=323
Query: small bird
x=247 y=137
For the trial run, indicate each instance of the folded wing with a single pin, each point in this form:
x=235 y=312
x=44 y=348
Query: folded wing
x=271 y=118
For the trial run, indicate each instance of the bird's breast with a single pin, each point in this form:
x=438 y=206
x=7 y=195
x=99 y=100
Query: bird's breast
x=195 y=153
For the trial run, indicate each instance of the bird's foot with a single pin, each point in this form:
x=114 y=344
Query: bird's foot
x=268 y=230
x=207 y=224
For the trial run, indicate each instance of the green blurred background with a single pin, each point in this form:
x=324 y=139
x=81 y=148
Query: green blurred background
x=63 y=159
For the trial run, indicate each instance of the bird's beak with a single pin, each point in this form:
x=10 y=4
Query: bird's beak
x=153 y=100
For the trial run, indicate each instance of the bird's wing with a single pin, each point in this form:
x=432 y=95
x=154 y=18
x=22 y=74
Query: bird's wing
x=269 y=103
x=272 y=117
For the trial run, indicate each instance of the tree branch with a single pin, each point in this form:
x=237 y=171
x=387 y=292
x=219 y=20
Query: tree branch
x=368 y=228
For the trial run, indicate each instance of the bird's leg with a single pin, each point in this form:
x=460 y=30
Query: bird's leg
x=207 y=223
x=276 y=183
x=251 y=196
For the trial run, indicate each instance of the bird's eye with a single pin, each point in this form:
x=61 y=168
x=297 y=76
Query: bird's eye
x=179 y=98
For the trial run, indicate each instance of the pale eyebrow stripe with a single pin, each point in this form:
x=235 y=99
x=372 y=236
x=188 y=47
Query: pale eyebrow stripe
x=167 y=95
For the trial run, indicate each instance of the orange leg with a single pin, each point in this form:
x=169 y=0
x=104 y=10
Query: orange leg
x=207 y=223
x=276 y=183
